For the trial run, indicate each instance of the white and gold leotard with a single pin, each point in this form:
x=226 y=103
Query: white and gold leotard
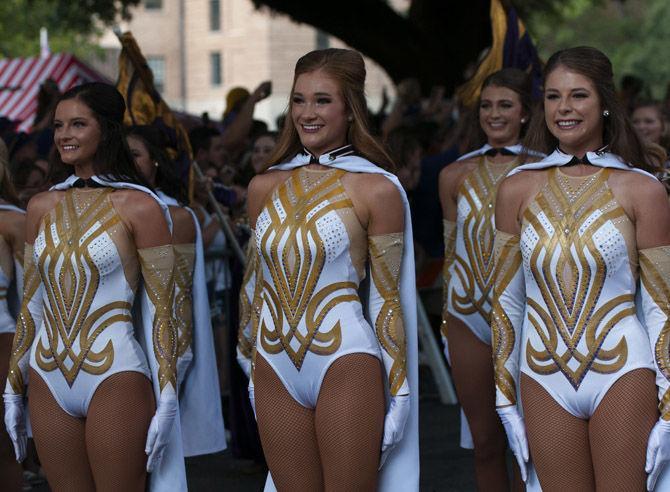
x=82 y=271
x=468 y=266
x=312 y=257
x=575 y=268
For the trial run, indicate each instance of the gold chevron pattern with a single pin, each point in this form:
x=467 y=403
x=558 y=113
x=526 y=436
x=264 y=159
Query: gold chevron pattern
x=475 y=269
x=570 y=271
x=295 y=253
x=71 y=279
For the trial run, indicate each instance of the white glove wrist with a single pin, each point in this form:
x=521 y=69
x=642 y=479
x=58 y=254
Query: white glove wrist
x=658 y=452
x=15 y=423
x=516 y=436
x=160 y=428
x=394 y=424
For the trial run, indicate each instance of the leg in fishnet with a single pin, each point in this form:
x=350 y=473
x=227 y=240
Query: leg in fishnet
x=287 y=434
x=350 y=423
x=619 y=430
x=10 y=470
x=60 y=441
x=558 y=441
x=116 y=432
x=472 y=371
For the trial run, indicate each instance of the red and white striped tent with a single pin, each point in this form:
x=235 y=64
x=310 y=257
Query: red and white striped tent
x=20 y=80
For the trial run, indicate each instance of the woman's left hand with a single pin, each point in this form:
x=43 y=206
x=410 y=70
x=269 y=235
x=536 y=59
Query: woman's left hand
x=394 y=425
x=658 y=452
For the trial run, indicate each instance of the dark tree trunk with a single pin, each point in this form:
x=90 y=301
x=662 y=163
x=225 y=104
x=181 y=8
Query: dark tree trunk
x=434 y=43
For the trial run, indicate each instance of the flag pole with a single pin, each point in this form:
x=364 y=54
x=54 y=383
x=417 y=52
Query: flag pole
x=227 y=230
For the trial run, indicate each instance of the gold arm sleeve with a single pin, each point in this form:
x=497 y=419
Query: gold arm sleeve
x=384 y=307
x=184 y=255
x=655 y=299
x=29 y=319
x=158 y=264
x=449 y=255
x=509 y=299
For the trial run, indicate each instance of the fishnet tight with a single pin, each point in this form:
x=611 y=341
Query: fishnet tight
x=334 y=447
x=607 y=452
x=104 y=451
x=10 y=470
x=472 y=372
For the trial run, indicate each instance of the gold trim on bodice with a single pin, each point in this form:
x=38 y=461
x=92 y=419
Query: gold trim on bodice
x=294 y=253
x=569 y=264
x=71 y=279
x=474 y=265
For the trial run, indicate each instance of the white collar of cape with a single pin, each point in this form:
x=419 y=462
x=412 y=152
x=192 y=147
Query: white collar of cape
x=516 y=149
x=401 y=470
x=600 y=158
x=10 y=207
x=120 y=185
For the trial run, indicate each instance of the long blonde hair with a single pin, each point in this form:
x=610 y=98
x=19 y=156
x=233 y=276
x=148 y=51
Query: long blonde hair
x=347 y=68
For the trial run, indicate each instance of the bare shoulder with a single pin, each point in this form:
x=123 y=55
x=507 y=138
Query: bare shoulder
x=43 y=202
x=638 y=193
x=456 y=171
x=259 y=190
x=522 y=183
x=11 y=222
x=183 y=229
x=135 y=203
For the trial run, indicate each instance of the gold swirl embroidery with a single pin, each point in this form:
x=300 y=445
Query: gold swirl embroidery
x=295 y=253
x=25 y=325
x=385 y=261
x=246 y=308
x=570 y=272
x=71 y=281
x=158 y=273
x=184 y=256
x=507 y=265
x=475 y=271
x=449 y=255
x=655 y=277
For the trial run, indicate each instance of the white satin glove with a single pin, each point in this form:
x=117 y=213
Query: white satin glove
x=160 y=427
x=658 y=452
x=516 y=436
x=15 y=423
x=394 y=425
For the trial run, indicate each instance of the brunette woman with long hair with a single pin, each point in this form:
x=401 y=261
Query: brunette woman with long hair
x=92 y=242
x=574 y=332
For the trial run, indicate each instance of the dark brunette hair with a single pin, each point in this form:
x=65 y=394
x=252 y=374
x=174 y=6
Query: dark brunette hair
x=618 y=131
x=509 y=78
x=166 y=172
x=112 y=158
x=347 y=68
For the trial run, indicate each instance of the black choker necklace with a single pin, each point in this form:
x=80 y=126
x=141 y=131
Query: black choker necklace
x=87 y=183
x=494 y=151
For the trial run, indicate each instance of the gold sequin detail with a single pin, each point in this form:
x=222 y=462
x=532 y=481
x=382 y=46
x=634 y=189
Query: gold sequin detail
x=158 y=273
x=655 y=277
x=507 y=264
x=570 y=272
x=71 y=279
x=295 y=254
x=385 y=260
x=25 y=324
x=184 y=255
x=449 y=232
x=475 y=270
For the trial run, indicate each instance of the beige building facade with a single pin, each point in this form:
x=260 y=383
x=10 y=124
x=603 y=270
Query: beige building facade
x=200 y=49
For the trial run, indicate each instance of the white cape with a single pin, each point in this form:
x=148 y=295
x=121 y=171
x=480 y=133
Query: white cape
x=515 y=149
x=170 y=475
x=400 y=473
x=202 y=426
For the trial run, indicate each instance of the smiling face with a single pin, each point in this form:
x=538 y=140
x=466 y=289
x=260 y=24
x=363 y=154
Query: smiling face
x=648 y=124
x=76 y=133
x=318 y=112
x=573 y=111
x=500 y=114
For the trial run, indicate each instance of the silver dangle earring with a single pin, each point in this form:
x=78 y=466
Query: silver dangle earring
x=523 y=121
x=606 y=113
